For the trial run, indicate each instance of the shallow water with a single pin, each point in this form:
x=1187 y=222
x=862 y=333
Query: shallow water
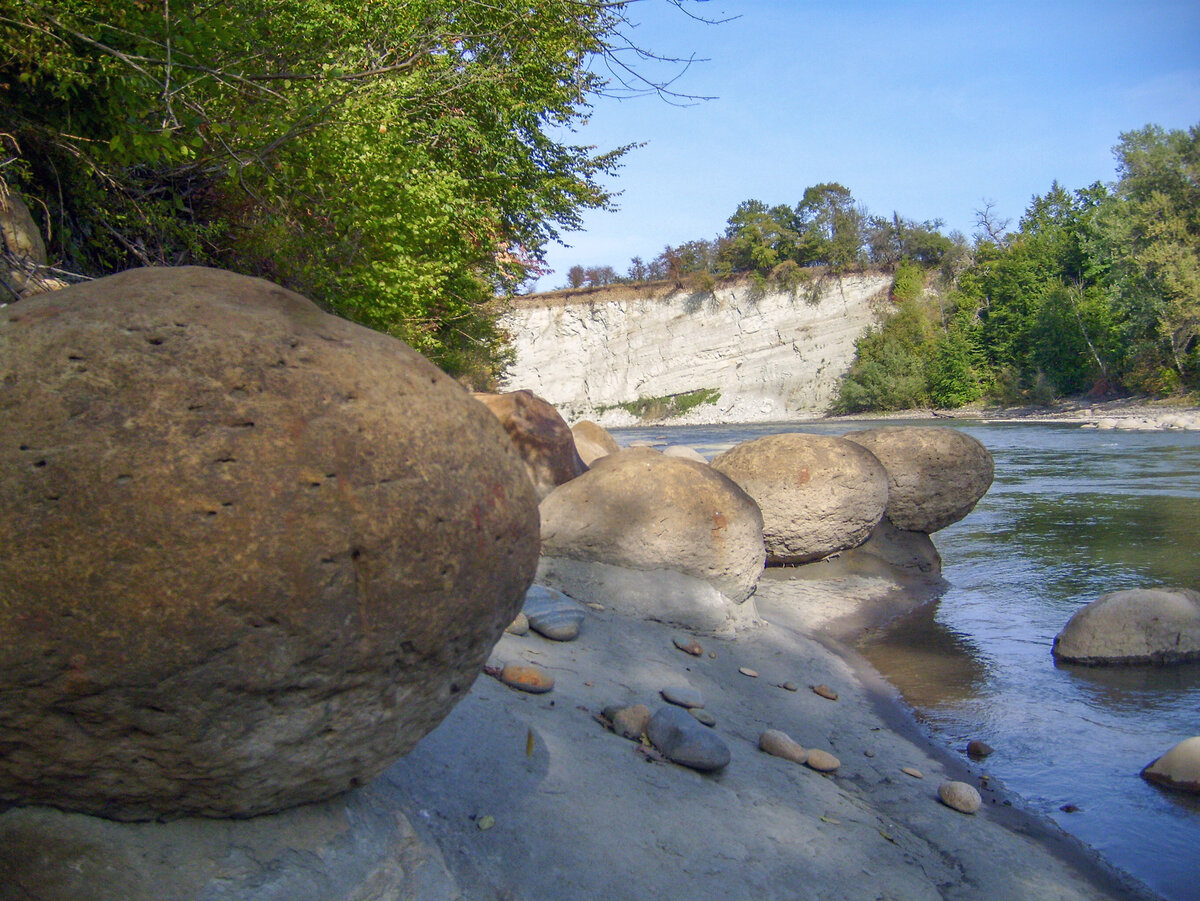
x=1073 y=513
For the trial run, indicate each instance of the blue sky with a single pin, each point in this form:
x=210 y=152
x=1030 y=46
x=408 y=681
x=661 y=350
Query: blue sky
x=927 y=109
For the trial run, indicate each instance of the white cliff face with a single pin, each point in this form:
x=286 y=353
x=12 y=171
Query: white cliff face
x=772 y=356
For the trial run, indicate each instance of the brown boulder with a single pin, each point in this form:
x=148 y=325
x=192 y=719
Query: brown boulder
x=252 y=552
x=659 y=537
x=593 y=441
x=936 y=475
x=818 y=494
x=541 y=437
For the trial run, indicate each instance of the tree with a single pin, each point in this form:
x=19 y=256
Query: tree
x=831 y=226
x=397 y=162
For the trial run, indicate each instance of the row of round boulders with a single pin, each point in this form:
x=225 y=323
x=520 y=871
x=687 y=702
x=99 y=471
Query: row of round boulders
x=252 y=552
x=593 y=441
x=1135 y=626
x=658 y=537
x=818 y=494
x=540 y=435
x=935 y=476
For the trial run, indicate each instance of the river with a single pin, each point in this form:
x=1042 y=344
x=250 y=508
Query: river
x=1072 y=513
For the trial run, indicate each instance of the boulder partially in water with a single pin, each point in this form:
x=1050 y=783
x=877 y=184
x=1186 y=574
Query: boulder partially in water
x=1179 y=768
x=935 y=475
x=252 y=552
x=818 y=494
x=1135 y=626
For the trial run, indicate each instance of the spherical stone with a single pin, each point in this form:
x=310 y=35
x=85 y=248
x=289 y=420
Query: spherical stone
x=960 y=796
x=540 y=435
x=593 y=441
x=552 y=614
x=1179 y=768
x=252 y=552
x=978 y=749
x=780 y=744
x=1134 y=626
x=683 y=740
x=822 y=761
x=936 y=475
x=527 y=677
x=629 y=722
x=641 y=511
x=818 y=494
x=684 y=452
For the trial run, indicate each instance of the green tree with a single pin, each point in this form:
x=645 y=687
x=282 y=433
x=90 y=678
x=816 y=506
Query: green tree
x=831 y=225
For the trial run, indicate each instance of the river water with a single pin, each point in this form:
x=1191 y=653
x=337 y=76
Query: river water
x=1072 y=513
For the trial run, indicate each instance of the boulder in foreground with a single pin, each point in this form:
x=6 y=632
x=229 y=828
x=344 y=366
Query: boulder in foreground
x=818 y=494
x=1135 y=626
x=252 y=552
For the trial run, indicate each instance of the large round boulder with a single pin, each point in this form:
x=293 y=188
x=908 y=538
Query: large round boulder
x=818 y=494
x=1134 y=626
x=252 y=552
x=540 y=435
x=936 y=475
x=593 y=441
x=1179 y=768
x=660 y=537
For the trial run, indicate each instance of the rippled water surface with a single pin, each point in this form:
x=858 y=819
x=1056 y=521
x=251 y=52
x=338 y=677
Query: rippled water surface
x=1073 y=513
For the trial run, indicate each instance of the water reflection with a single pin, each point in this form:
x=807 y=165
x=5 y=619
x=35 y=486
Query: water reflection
x=1136 y=690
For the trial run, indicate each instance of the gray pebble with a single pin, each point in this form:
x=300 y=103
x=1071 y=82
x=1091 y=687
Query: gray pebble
x=552 y=614
x=703 y=716
x=683 y=696
x=683 y=740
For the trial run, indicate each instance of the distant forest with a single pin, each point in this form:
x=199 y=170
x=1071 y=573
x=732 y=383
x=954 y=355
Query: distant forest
x=1097 y=290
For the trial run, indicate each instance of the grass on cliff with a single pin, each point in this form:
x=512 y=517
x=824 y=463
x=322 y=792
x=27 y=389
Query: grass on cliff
x=671 y=405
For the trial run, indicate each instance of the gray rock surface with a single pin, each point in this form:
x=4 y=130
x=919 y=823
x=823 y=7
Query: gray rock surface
x=593 y=441
x=818 y=494
x=1134 y=626
x=641 y=528
x=253 y=552
x=540 y=435
x=936 y=475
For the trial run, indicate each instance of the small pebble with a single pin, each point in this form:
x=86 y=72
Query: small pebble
x=869 y=753
x=825 y=691
x=688 y=645
x=518 y=626
x=552 y=614
x=527 y=677
x=485 y=822
x=912 y=771
x=595 y=606
x=978 y=749
x=683 y=740
x=1069 y=808
x=712 y=655
x=780 y=744
x=746 y=671
x=790 y=686
x=960 y=796
x=822 y=761
x=703 y=715
x=683 y=696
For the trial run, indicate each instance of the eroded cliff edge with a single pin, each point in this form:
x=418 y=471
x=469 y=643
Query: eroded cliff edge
x=769 y=354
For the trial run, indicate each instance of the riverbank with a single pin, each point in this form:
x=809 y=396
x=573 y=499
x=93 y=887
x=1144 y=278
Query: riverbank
x=1124 y=413
x=530 y=797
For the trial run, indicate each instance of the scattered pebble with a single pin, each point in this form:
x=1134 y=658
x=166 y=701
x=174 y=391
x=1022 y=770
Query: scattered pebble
x=683 y=696
x=688 y=645
x=485 y=822
x=822 y=761
x=1069 y=808
x=683 y=740
x=712 y=655
x=628 y=722
x=912 y=771
x=703 y=716
x=790 y=686
x=746 y=671
x=868 y=753
x=960 y=796
x=780 y=744
x=518 y=626
x=978 y=749
x=825 y=691
x=527 y=677
x=595 y=606
x=552 y=614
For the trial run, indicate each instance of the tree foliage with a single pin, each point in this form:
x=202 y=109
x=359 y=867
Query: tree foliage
x=397 y=160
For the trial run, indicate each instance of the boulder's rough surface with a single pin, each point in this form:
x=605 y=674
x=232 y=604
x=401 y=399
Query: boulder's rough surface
x=818 y=494
x=936 y=475
x=593 y=441
x=541 y=436
x=357 y=846
x=1179 y=768
x=252 y=552
x=660 y=537
x=1134 y=626
x=910 y=552
x=687 y=453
